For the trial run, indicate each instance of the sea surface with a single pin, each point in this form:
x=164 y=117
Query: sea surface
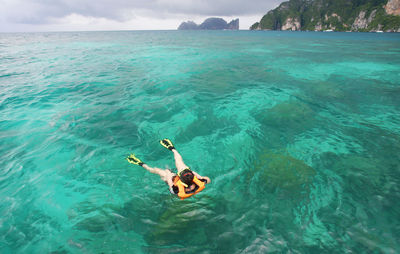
x=298 y=131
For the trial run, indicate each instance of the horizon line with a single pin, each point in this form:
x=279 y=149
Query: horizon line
x=122 y=30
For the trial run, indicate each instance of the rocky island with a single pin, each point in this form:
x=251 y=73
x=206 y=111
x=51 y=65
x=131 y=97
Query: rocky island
x=337 y=15
x=210 y=24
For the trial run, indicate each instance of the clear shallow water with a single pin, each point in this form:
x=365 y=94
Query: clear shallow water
x=299 y=132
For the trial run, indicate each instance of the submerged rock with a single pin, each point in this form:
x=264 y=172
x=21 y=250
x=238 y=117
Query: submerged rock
x=281 y=171
x=206 y=218
x=325 y=90
x=282 y=123
x=288 y=117
x=208 y=124
x=95 y=224
x=93 y=218
x=362 y=176
x=178 y=221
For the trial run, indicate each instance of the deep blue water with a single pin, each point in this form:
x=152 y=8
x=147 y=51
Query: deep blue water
x=299 y=132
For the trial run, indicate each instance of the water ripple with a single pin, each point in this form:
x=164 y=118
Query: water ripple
x=298 y=132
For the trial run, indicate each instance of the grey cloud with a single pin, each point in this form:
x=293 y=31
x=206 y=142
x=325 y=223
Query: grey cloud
x=42 y=11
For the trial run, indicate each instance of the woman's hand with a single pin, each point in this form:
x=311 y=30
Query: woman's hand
x=207 y=179
x=202 y=177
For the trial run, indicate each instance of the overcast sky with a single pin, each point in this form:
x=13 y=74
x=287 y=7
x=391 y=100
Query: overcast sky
x=84 y=15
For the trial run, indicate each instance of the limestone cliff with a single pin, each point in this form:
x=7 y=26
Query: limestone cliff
x=292 y=24
x=362 y=22
x=393 y=7
x=337 y=15
x=233 y=25
x=190 y=25
x=210 y=24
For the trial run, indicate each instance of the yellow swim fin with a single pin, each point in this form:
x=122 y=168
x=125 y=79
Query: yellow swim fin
x=167 y=144
x=132 y=159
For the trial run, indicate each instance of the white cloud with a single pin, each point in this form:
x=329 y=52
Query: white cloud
x=68 y=15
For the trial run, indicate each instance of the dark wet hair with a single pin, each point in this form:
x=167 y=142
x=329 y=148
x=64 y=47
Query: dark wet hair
x=187 y=176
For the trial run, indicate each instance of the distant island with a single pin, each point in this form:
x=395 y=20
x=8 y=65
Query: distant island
x=210 y=24
x=337 y=15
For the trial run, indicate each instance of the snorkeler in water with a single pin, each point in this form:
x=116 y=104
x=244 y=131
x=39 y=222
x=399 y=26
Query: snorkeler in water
x=185 y=183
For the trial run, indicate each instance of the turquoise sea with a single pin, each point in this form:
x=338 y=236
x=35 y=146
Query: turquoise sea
x=298 y=131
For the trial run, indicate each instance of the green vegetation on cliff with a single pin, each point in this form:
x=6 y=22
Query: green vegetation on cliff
x=338 y=15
